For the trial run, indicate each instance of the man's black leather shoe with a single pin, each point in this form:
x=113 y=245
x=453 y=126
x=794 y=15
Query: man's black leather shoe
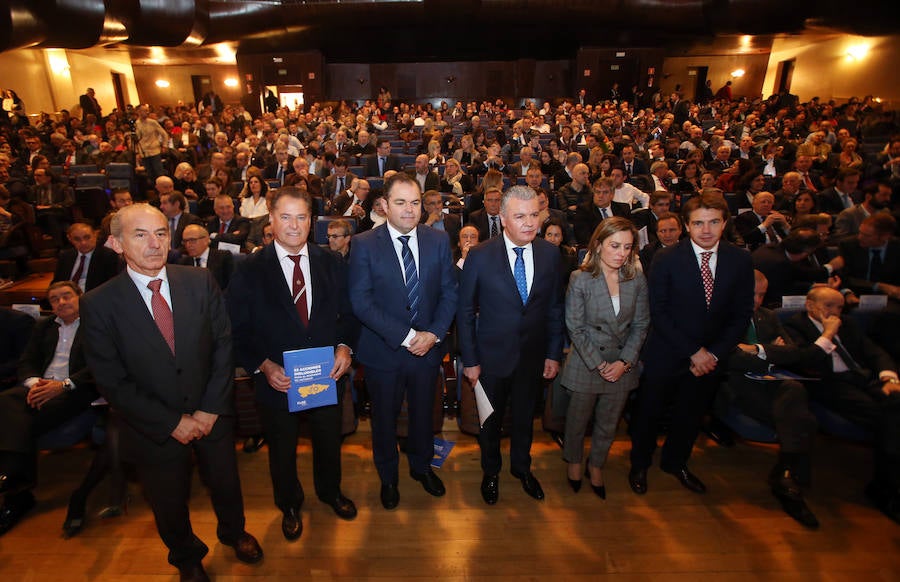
x=390 y=495
x=194 y=573
x=246 y=548
x=688 y=480
x=787 y=491
x=291 y=524
x=637 y=479
x=490 y=489
x=717 y=431
x=343 y=507
x=254 y=443
x=14 y=509
x=430 y=482
x=530 y=485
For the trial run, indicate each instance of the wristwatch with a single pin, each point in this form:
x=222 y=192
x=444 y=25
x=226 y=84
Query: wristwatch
x=67 y=385
x=890 y=380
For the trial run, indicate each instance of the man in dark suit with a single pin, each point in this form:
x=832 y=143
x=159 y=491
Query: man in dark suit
x=843 y=194
x=761 y=225
x=55 y=385
x=633 y=165
x=226 y=227
x=599 y=208
x=510 y=327
x=198 y=253
x=876 y=198
x=15 y=328
x=403 y=290
x=382 y=161
x=701 y=298
x=52 y=202
x=292 y=295
x=174 y=207
x=870 y=263
x=339 y=182
x=89 y=105
x=422 y=173
x=282 y=165
x=488 y=220
x=858 y=381
x=787 y=267
x=87 y=264
x=158 y=340
x=668 y=233
x=435 y=217
x=782 y=404
x=660 y=202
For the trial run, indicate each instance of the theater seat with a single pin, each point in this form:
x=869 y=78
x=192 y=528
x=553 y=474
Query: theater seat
x=834 y=424
x=70 y=433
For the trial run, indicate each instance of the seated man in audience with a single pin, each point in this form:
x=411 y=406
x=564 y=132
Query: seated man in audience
x=858 y=381
x=339 y=234
x=120 y=199
x=591 y=213
x=174 y=205
x=355 y=203
x=761 y=225
x=52 y=203
x=782 y=404
x=55 y=386
x=876 y=198
x=226 y=226
x=843 y=194
x=791 y=184
x=427 y=178
x=434 y=216
x=199 y=254
x=668 y=233
x=787 y=268
x=336 y=184
x=86 y=264
x=659 y=203
x=628 y=193
x=576 y=192
x=870 y=262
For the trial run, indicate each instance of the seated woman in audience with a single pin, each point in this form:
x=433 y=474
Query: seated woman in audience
x=435 y=158
x=601 y=163
x=804 y=204
x=749 y=185
x=187 y=183
x=849 y=158
x=253 y=197
x=607 y=315
x=728 y=179
x=554 y=231
x=689 y=178
x=454 y=180
x=466 y=155
x=549 y=164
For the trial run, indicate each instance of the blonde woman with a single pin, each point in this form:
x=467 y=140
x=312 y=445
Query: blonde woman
x=607 y=315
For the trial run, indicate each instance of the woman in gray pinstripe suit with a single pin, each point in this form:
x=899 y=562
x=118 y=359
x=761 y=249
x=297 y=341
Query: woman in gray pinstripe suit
x=607 y=315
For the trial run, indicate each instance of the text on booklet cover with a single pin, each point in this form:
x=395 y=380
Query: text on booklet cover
x=308 y=370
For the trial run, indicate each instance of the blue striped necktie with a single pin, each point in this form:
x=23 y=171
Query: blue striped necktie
x=412 y=278
x=519 y=274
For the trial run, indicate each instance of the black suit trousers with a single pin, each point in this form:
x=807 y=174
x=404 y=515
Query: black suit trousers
x=415 y=380
x=520 y=390
x=167 y=486
x=282 y=429
x=690 y=398
x=784 y=405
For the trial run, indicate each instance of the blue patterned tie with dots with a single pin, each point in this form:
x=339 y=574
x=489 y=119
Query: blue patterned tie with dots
x=519 y=273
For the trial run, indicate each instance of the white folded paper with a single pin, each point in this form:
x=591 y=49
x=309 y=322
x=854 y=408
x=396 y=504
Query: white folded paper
x=483 y=403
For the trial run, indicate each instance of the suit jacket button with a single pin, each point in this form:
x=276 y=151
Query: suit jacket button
x=601 y=348
x=598 y=328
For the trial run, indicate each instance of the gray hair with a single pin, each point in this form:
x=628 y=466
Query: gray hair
x=115 y=224
x=519 y=193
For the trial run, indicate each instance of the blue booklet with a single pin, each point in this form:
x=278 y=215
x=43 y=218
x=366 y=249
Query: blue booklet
x=442 y=450
x=308 y=370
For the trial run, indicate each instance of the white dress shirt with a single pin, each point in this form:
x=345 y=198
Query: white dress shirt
x=287 y=269
x=398 y=249
x=527 y=256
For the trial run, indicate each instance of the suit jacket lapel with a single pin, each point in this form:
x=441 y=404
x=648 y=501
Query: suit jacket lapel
x=318 y=283
x=389 y=253
x=141 y=320
x=508 y=277
x=626 y=303
x=276 y=282
x=182 y=314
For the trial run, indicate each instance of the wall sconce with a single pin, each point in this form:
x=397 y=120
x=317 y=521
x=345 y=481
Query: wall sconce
x=450 y=79
x=737 y=73
x=231 y=82
x=162 y=83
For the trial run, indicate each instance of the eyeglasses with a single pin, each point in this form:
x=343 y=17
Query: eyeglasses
x=333 y=236
x=193 y=240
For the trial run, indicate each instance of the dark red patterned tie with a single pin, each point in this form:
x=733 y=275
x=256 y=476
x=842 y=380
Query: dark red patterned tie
x=79 y=272
x=706 y=274
x=162 y=314
x=298 y=290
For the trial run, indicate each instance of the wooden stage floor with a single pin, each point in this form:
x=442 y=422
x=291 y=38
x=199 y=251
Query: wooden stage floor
x=735 y=532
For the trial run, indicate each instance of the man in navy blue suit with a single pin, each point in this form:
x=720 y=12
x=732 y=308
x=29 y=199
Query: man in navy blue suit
x=510 y=323
x=701 y=298
x=403 y=290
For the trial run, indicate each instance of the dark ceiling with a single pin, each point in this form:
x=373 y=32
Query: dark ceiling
x=424 y=30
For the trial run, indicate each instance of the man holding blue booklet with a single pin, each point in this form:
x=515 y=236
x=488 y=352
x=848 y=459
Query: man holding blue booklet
x=293 y=295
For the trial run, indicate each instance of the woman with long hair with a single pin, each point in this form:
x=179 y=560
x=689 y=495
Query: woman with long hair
x=607 y=315
x=253 y=197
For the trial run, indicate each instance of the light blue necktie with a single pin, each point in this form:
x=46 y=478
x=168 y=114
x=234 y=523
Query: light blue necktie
x=519 y=273
x=412 y=278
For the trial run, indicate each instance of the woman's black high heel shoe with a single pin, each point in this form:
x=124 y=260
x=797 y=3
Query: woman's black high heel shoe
x=599 y=490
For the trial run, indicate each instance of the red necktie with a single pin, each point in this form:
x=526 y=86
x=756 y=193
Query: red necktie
x=809 y=183
x=221 y=227
x=706 y=274
x=298 y=290
x=162 y=314
x=79 y=271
